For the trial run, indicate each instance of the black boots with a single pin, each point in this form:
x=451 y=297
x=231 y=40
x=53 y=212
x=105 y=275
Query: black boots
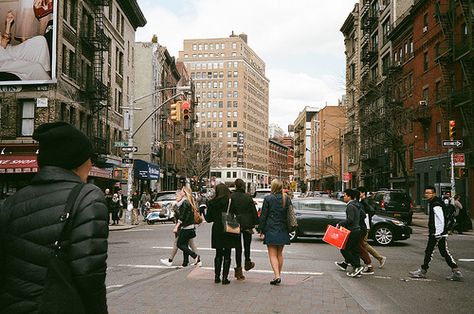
x=217 y=269
x=238 y=273
x=249 y=265
x=225 y=272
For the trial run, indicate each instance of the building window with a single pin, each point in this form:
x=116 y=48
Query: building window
x=438 y=90
x=70 y=12
x=425 y=61
x=27 y=118
x=438 y=133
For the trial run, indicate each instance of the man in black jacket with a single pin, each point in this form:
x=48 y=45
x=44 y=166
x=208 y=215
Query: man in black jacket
x=244 y=206
x=437 y=236
x=351 y=252
x=32 y=220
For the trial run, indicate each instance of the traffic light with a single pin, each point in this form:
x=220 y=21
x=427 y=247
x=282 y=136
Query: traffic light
x=186 y=110
x=176 y=111
x=452 y=129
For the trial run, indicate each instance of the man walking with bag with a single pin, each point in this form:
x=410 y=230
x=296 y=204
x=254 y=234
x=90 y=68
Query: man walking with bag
x=53 y=233
x=244 y=206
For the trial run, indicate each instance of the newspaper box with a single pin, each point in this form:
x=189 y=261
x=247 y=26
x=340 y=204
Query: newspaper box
x=336 y=236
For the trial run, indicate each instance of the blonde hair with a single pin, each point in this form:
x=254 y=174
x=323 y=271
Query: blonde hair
x=276 y=186
x=189 y=196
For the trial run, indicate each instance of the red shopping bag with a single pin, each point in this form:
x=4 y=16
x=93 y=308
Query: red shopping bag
x=336 y=236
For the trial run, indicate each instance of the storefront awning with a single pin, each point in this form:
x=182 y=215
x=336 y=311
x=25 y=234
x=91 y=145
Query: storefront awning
x=146 y=171
x=18 y=164
x=27 y=164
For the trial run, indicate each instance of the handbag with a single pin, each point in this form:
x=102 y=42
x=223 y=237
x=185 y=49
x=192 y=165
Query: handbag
x=197 y=216
x=336 y=236
x=292 y=222
x=60 y=293
x=231 y=225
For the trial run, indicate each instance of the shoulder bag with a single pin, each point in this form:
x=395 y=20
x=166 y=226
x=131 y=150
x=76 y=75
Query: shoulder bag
x=60 y=293
x=231 y=225
x=292 y=223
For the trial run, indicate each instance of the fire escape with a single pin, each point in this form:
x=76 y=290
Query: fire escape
x=96 y=91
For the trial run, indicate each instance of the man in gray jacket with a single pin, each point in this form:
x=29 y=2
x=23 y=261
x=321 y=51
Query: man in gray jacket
x=32 y=220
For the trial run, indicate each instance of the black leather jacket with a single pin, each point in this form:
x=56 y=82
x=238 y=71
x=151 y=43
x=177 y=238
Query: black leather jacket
x=30 y=224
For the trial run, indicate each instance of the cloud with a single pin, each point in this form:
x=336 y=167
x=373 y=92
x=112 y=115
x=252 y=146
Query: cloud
x=299 y=41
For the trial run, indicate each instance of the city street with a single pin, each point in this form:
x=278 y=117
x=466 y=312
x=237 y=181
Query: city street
x=138 y=283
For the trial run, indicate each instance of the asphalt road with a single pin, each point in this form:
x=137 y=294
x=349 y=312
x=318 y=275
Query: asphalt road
x=134 y=256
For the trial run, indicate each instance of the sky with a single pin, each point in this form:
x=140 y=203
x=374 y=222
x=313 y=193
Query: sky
x=298 y=40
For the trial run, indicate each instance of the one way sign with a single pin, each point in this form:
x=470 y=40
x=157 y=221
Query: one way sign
x=129 y=149
x=455 y=144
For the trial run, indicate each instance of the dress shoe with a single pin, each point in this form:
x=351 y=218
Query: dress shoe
x=275 y=281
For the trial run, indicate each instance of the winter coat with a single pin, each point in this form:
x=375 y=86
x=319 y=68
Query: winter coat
x=185 y=214
x=219 y=238
x=30 y=224
x=273 y=217
x=352 y=216
x=243 y=205
x=436 y=216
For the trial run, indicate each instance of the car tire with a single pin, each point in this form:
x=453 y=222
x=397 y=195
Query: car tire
x=383 y=235
x=293 y=236
x=150 y=222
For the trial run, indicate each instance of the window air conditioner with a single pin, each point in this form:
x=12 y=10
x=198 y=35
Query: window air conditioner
x=351 y=160
x=423 y=103
x=425 y=29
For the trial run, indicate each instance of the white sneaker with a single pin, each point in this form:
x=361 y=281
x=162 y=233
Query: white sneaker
x=382 y=262
x=166 y=262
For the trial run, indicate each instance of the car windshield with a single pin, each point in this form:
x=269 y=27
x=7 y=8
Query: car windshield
x=399 y=198
x=165 y=197
x=261 y=194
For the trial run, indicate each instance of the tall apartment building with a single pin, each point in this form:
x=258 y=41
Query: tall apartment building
x=303 y=144
x=88 y=78
x=328 y=160
x=232 y=111
x=277 y=161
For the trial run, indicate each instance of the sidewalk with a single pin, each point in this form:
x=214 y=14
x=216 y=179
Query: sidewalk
x=192 y=290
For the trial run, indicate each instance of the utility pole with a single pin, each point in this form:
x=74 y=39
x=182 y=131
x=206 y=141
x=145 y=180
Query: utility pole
x=131 y=131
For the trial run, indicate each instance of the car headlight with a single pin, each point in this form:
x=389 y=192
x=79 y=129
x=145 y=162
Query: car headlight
x=398 y=223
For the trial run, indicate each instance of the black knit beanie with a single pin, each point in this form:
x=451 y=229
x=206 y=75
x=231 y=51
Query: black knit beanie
x=62 y=145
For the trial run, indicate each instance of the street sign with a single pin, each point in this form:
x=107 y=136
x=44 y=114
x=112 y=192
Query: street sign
x=459 y=160
x=453 y=144
x=128 y=161
x=120 y=144
x=129 y=149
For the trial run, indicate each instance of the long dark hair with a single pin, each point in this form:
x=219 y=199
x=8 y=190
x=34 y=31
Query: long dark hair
x=222 y=191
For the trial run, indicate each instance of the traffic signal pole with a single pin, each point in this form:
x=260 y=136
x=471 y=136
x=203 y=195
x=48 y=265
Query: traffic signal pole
x=453 y=181
x=131 y=133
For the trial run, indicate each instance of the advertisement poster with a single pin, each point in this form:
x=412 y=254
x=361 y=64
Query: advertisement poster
x=27 y=42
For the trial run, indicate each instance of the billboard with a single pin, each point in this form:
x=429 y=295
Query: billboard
x=28 y=42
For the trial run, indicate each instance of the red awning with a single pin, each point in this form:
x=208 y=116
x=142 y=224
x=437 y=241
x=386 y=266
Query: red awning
x=27 y=164
x=18 y=164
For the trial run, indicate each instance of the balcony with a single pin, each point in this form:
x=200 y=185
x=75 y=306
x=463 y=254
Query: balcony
x=421 y=113
x=99 y=145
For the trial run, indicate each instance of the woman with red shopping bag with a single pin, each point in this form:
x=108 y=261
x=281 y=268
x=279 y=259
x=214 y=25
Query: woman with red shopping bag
x=351 y=252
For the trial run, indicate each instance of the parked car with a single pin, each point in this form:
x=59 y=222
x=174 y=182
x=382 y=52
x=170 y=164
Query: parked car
x=164 y=202
x=315 y=214
x=258 y=197
x=393 y=203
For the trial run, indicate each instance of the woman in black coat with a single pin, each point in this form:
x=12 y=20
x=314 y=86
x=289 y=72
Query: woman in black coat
x=221 y=241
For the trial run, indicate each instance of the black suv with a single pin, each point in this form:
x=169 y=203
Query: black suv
x=393 y=203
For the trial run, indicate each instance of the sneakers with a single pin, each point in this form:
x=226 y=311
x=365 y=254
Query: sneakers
x=341 y=265
x=355 y=272
x=382 y=262
x=455 y=276
x=419 y=273
x=166 y=261
x=369 y=270
x=197 y=261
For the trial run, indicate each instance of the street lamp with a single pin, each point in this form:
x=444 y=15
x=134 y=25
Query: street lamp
x=131 y=132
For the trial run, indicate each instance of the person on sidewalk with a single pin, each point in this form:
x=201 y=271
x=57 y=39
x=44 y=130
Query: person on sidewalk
x=221 y=241
x=437 y=236
x=115 y=208
x=135 y=211
x=244 y=206
x=370 y=212
x=145 y=202
x=351 y=252
x=185 y=227
x=274 y=227
x=32 y=220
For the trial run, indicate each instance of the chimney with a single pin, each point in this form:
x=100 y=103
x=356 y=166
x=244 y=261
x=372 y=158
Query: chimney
x=244 y=37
